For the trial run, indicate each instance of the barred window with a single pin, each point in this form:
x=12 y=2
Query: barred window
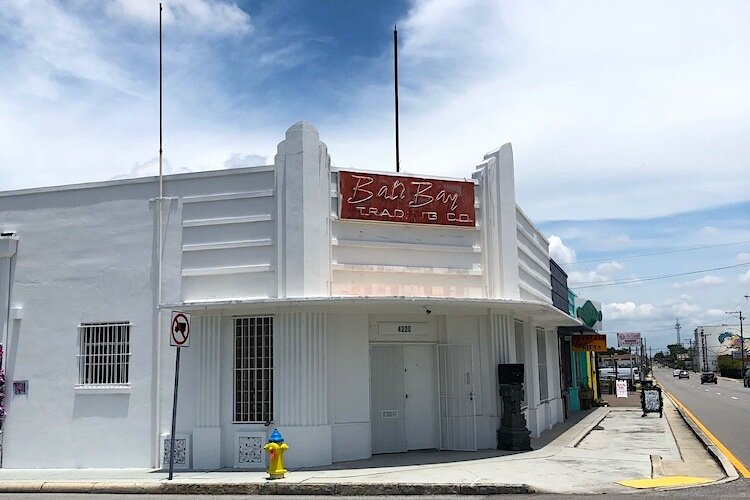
x=253 y=369
x=541 y=346
x=521 y=356
x=104 y=353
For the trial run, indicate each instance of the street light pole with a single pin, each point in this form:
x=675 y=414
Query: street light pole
x=742 y=340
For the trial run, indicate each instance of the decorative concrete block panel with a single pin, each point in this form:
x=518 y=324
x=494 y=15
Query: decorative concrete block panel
x=248 y=450
x=182 y=451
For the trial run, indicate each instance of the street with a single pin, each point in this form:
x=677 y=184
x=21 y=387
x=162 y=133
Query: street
x=723 y=408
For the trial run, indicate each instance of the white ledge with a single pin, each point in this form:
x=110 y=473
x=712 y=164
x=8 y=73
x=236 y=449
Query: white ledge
x=405 y=245
x=372 y=268
x=228 y=196
x=227 y=220
x=212 y=271
x=196 y=247
x=102 y=389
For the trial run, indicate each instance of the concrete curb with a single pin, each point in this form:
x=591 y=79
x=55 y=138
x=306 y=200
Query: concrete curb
x=723 y=461
x=268 y=488
x=597 y=416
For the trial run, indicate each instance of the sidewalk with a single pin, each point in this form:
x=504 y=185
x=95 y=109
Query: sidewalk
x=607 y=446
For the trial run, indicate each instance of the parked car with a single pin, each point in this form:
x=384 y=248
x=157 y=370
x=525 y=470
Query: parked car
x=747 y=378
x=709 y=377
x=683 y=374
x=676 y=372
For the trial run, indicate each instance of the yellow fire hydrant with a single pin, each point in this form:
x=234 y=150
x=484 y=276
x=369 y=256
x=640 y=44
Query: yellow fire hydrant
x=275 y=449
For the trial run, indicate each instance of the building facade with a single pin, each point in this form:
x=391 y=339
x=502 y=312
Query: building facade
x=320 y=305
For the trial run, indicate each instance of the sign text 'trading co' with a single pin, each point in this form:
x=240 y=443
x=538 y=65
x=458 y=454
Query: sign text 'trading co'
x=413 y=200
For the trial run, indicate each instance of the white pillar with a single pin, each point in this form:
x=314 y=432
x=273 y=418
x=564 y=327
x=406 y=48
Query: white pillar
x=303 y=181
x=301 y=386
x=498 y=216
x=207 y=434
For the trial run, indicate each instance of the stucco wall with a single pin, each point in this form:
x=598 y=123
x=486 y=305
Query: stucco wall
x=83 y=256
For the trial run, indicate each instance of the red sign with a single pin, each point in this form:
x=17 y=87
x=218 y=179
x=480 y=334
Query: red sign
x=392 y=198
x=179 y=335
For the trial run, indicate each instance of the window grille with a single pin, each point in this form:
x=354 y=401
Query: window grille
x=541 y=345
x=253 y=369
x=521 y=356
x=104 y=354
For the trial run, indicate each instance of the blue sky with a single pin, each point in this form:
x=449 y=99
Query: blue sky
x=629 y=121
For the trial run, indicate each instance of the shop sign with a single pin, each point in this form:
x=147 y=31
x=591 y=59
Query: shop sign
x=590 y=312
x=403 y=328
x=628 y=339
x=414 y=200
x=583 y=343
x=621 y=388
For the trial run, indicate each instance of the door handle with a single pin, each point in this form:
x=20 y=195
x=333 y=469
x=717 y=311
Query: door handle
x=406 y=396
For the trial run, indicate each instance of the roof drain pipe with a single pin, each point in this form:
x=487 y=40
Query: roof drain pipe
x=8 y=247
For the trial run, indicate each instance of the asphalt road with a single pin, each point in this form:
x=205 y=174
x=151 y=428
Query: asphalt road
x=724 y=408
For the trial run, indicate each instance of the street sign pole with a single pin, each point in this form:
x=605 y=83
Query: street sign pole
x=179 y=337
x=174 y=413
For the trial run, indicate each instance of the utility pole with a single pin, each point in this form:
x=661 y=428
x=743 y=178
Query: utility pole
x=742 y=340
x=704 y=350
x=690 y=351
x=678 y=327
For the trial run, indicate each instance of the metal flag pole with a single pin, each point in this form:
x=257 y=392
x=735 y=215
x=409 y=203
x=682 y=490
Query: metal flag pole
x=395 y=84
x=160 y=245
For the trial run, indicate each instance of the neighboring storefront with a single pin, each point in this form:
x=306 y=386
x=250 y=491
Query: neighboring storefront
x=579 y=345
x=339 y=306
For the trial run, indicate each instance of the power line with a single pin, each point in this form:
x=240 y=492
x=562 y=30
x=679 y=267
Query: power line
x=633 y=256
x=596 y=284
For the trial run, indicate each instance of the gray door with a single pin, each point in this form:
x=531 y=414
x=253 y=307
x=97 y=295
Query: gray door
x=420 y=386
x=387 y=409
x=458 y=428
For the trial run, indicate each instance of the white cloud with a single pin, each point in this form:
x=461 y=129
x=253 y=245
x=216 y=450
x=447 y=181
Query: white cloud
x=619 y=241
x=743 y=258
x=629 y=310
x=238 y=160
x=197 y=16
x=709 y=231
x=704 y=282
x=559 y=252
x=715 y=312
x=609 y=267
x=150 y=168
x=603 y=272
x=682 y=309
x=745 y=277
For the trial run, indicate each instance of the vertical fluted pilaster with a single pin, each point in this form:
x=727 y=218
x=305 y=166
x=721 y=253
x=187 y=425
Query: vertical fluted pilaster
x=207 y=336
x=300 y=342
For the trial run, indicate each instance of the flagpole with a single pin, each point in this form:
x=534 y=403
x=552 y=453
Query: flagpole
x=160 y=250
x=395 y=83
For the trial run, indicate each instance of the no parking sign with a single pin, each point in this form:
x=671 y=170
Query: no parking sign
x=179 y=330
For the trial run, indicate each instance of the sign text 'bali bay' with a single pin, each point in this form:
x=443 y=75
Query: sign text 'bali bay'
x=416 y=200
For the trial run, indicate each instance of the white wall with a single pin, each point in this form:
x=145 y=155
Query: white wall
x=350 y=386
x=83 y=256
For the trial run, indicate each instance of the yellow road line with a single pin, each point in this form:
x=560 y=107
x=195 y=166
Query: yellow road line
x=735 y=461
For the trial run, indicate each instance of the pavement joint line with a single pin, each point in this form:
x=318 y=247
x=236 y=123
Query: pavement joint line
x=741 y=468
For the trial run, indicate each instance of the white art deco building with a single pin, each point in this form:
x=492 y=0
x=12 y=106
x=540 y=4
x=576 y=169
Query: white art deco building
x=357 y=312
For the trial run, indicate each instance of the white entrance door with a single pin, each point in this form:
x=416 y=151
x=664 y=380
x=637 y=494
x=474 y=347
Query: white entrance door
x=403 y=398
x=458 y=428
x=420 y=387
